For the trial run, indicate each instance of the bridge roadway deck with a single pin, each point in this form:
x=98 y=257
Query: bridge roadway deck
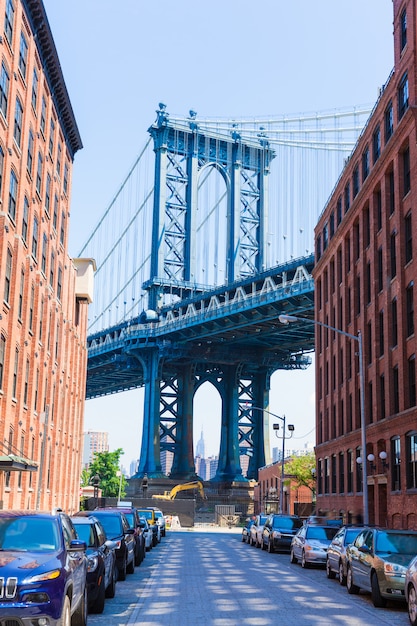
x=211 y=578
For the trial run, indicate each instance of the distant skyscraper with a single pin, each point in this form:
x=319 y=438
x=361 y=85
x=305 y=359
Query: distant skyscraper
x=200 y=448
x=94 y=441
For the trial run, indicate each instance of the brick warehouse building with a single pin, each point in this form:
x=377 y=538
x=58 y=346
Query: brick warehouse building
x=366 y=265
x=44 y=294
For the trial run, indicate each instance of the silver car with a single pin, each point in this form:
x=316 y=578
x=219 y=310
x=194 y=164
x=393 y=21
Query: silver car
x=336 y=552
x=310 y=544
x=256 y=530
x=411 y=591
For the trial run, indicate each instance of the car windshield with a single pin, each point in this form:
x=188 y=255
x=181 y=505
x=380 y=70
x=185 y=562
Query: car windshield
x=85 y=533
x=147 y=514
x=29 y=534
x=351 y=535
x=262 y=519
x=112 y=525
x=158 y=514
x=286 y=523
x=396 y=543
x=321 y=532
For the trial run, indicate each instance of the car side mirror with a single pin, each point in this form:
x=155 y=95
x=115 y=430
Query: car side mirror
x=364 y=549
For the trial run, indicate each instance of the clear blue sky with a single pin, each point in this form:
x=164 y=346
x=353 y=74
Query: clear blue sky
x=223 y=58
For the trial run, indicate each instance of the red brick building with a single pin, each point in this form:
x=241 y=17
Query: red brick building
x=44 y=294
x=366 y=265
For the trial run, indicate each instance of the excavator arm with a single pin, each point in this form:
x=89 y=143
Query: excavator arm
x=195 y=484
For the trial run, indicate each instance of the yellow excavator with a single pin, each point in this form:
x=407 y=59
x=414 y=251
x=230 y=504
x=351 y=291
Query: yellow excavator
x=170 y=495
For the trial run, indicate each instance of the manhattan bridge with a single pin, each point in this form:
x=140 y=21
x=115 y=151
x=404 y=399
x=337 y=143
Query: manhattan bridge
x=207 y=241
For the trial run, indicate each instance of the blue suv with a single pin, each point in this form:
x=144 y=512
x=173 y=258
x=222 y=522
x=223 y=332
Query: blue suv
x=43 y=570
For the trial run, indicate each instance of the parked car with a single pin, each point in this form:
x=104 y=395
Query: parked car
x=117 y=528
x=256 y=530
x=133 y=518
x=101 y=564
x=246 y=530
x=336 y=552
x=43 y=569
x=279 y=531
x=160 y=520
x=309 y=545
x=377 y=562
x=410 y=589
x=151 y=517
x=147 y=533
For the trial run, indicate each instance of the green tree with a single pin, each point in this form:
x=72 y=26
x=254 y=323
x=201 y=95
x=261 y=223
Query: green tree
x=302 y=471
x=107 y=466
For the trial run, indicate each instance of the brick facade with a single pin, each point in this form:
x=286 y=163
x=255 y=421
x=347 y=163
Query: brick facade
x=43 y=299
x=366 y=266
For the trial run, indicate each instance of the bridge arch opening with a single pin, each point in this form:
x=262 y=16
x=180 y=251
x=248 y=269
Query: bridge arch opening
x=206 y=429
x=211 y=226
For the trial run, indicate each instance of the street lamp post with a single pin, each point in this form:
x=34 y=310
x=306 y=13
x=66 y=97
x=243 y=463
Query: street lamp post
x=287 y=319
x=276 y=428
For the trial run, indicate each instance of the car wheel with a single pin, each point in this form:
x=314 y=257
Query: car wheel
x=293 y=558
x=412 y=605
x=122 y=571
x=351 y=588
x=130 y=567
x=111 y=589
x=262 y=544
x=329 y=572
x=342 y=577
x=377 y=599
x=98 y=606
x=304 y=563
x=138 y=555
x=66 y=613
x=270 y=546
x=79 y=617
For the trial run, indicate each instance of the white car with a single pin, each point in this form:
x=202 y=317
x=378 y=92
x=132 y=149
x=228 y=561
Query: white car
x=256 y=530
x=147 y=533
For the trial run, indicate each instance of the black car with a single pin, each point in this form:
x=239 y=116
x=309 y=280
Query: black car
x=43 y=569
x=101 y=555
x=133 y=518
x=279 y=531
x=117 y=528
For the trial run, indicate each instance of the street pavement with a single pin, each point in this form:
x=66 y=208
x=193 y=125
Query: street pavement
x=208 y=577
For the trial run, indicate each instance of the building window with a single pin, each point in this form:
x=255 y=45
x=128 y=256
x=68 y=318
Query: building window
x=389 y=122
x=408 y=235
x=341 y=473
x=403 y=95
x=42 y=123
x=39 y=175
x=59 y=284
x=12 y=195
x=15 y=373
x=26 y=387
x=339 y=210
x=331 y=223
x=62 y=229
x=409 y=299
x=48 y=194
x=65 y=184
x=44 y=253
x=35 y=236
x=406 y=171
x=380 y=263
x=393 y=255
x=355 y=179
x=4 y=90
x=376 y=144
x=394 y=323
x=52 y=270
x=35 y=87
x=350 y=471
x=31 y=306
x=382 y=396
x=18 y=117
x=334 y=474
x=396 y=463
x=325 y=236
x=412 y=381
x=367 y=226
x=21 y=294
x=23 y=55
x=369 y=333
x=31 y=143
x=25 y=219
x=52 y=139
x=411 y=456
x=8 y=276
x=403 y=29
x=368 y=283
x=9 y=21
x=395 y=389
x=378 y=208
x=391 y=192
x=347 y=197
x=58 y=160
x=358 y=295
x=365 y=164
x=381 y=334
x=2 y=358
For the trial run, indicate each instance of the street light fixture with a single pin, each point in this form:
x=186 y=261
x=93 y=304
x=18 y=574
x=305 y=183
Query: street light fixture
x=287 y=319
